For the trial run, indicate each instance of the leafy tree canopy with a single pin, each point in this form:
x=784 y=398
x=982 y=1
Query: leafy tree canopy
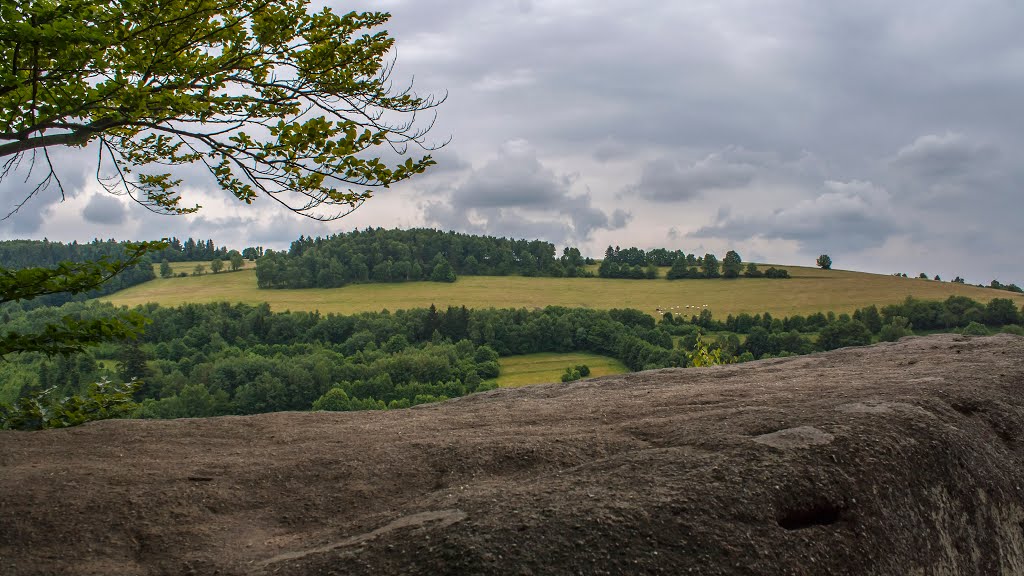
x=270 y=98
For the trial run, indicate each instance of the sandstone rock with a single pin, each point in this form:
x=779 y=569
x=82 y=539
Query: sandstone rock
x=856 y=461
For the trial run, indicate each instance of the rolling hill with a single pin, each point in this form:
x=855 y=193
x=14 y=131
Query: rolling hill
x=809 y=290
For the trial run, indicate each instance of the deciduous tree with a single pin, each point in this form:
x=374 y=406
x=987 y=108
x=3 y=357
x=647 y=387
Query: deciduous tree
x=732 y=264
x=236 y=259
x=710 y=266
x=273 y=100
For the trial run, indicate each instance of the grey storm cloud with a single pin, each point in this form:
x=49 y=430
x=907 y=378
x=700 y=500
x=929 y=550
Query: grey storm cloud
x=845 y=216
x=666 y=179
x=784 y=75
x=515 y=178
x=958 y=181
x=515 y=194
x=105 y=209
x=935 y=156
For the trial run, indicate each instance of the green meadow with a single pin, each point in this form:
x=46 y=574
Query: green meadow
x=809 y=290
x=548 y=367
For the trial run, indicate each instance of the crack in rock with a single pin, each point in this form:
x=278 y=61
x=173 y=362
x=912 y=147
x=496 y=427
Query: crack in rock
x=799 y=437
x=439 y=519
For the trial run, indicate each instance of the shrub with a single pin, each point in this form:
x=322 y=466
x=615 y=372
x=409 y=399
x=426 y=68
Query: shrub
x=571 y=375
x=486 y=385
x=975 y=329
x=844 y=333
x=334 y=400
x=702 y=355
x=426 y=399
x=897 y=328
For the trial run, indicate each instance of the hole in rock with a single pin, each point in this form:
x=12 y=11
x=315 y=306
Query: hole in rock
x=818 y=514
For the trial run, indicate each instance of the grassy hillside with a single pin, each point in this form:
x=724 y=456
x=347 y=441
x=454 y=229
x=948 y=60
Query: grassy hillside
x=810 y=290
x=548 y=367
x=189 y=267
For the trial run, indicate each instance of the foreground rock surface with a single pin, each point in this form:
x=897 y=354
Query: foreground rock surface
x=899 y=458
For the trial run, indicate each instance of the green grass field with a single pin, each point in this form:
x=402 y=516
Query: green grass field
x=810 y=290
x=189 y=267
x=548 y=367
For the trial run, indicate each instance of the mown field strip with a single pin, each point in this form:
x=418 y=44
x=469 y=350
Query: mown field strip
x=548 y=367
x=810 y=290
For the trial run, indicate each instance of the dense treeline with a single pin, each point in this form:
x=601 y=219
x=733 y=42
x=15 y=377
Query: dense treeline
x=379 y=255
x=18 y=254
x=636 y=264
x=203 y=360
x=190 y=250
x=44 y=253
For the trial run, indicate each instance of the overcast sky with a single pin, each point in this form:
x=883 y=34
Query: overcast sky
x=888 y=135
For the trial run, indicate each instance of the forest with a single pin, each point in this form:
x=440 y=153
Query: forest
x=379 y=255
x=215 y=359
